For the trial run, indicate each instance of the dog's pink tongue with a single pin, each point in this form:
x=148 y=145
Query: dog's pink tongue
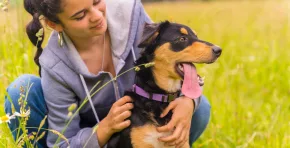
x=190 y=87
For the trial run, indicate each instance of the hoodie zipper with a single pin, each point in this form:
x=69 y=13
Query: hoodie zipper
x=116 y=88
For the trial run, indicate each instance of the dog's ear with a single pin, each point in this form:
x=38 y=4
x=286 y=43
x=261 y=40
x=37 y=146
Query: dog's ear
x=150 y=32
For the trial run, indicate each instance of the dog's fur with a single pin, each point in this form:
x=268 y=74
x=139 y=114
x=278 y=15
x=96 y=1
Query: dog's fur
x=166 y=44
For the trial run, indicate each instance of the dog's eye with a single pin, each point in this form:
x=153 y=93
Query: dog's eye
x=182 y=39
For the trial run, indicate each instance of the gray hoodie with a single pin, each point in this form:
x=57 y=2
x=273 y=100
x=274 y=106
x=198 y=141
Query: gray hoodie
x=63 y=69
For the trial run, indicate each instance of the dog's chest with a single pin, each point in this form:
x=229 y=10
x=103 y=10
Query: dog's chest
x=147 y=136
x=174 y=85
x=148 y=111
x=145 y=119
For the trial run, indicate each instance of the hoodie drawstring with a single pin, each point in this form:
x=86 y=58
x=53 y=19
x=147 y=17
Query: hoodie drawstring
x=89 y=97
x=133 y=54
x=90 y=100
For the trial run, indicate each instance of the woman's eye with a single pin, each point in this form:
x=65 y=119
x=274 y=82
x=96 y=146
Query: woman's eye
x=81 y=17
x=96 y=2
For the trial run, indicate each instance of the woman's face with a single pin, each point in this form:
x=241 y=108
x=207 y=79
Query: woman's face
x=83 y=19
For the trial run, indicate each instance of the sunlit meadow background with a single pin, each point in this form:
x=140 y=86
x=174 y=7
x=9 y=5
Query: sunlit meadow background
x=248 y=87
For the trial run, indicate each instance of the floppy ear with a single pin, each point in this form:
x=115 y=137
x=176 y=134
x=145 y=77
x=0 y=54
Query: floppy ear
x=150 y=32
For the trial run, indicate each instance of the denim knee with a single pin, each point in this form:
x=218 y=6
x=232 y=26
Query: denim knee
x=35 y=102
x=200 y=120
x=35 y=97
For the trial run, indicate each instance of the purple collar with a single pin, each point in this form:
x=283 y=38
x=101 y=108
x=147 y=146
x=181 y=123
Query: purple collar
x=151 y=96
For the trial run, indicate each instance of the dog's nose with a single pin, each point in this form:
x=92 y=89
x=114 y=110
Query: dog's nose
x=217 y=50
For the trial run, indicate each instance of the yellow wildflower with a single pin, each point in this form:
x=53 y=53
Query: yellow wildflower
x=6 y=118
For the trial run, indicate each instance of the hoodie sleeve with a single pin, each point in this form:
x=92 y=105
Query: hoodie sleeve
x=58 y=99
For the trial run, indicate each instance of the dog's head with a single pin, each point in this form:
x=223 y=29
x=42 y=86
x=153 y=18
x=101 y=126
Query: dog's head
x=174 y=48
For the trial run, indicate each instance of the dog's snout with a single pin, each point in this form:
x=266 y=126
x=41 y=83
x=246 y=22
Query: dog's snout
x=217 y=51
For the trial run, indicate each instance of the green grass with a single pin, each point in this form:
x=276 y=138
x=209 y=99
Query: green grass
x=248 y=87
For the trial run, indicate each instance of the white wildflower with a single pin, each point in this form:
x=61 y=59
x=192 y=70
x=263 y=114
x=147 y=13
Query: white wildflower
x=22 y=113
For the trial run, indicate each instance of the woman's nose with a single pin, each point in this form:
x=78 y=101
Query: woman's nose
x=96 y=15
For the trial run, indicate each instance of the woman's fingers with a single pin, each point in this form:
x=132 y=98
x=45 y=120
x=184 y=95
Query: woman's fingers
x=123 y=116
x=171 y=106
x=128 y=106
x=123 y=125
x=119 y=112
x=168 y=127
x=123 y=101
x=182 y=139
x=171 y=140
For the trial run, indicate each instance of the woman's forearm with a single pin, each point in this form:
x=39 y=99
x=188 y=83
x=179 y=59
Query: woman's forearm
x=103 y=133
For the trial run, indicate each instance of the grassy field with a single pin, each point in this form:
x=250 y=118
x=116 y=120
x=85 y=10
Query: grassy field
x=248 y=87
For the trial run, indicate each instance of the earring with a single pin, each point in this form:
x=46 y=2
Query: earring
x=60 y=39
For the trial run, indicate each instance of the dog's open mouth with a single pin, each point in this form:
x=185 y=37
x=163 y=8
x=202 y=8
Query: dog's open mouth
x=192 y=82
x=180 y=71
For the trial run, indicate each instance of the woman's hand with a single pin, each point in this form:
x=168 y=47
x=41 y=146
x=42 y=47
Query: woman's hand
x=180 y=122
x=115 y=120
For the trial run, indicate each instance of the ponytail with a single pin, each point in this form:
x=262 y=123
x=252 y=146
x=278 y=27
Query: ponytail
x=49 y=9
x=32 y=29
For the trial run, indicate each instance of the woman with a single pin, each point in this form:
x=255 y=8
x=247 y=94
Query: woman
x=91 y=43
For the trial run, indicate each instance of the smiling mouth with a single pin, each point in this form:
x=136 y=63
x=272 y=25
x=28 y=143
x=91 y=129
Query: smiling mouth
x=179 y=67
x=99 y=25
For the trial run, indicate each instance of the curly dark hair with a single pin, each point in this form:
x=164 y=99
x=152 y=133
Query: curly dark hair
x=47 y=8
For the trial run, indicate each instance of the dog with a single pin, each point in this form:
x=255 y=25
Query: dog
x=173 y=48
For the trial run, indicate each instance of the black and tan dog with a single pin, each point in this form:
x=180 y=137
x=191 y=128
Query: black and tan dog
x=173 y=48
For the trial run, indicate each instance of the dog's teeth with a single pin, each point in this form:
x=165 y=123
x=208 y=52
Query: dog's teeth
x=201 y=79
x=180 y=67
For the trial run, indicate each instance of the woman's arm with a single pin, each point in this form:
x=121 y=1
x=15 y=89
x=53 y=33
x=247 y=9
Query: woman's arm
x=180 y=122
x=59 y=97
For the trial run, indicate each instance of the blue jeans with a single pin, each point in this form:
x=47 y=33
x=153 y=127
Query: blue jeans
x=38 y=109
x=35 y=101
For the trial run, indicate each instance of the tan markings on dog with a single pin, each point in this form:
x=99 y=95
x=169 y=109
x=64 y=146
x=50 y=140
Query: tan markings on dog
x=152 y=37
x=155 y=35
x=147 y=137
x=151 y=116
x=183 y=31
x=164 y=71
